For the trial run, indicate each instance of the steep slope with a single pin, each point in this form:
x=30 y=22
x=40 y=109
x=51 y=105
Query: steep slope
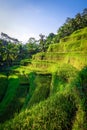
x=13 y=94
x=70 y=50
x=65 y=109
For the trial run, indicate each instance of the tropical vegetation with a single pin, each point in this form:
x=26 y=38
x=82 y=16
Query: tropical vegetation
x=43 y=83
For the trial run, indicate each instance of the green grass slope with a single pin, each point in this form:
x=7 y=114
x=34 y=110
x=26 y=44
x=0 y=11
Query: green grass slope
x=23 y=90
x=70 y=50
x=65 y=109
x=13 y=96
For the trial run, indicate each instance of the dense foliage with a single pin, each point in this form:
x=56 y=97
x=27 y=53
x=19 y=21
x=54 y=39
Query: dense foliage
x=73 y=24
x=13 y=53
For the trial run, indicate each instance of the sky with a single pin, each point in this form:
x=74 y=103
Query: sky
x=23 y=19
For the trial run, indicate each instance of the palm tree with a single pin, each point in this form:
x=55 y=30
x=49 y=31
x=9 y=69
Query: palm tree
x=10 y=52
x=42 y=42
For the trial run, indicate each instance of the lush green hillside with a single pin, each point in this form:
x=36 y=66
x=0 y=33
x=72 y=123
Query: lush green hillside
x=71 y=50
x=65 y=107
x=51 y=92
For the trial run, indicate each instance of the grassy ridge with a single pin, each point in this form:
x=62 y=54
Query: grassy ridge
x=5 y=105
x=14 y=97
x=66 y=109
x=54 y=116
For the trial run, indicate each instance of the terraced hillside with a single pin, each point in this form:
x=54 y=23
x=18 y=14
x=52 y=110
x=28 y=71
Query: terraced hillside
x=70 y=50
x=50 y=93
